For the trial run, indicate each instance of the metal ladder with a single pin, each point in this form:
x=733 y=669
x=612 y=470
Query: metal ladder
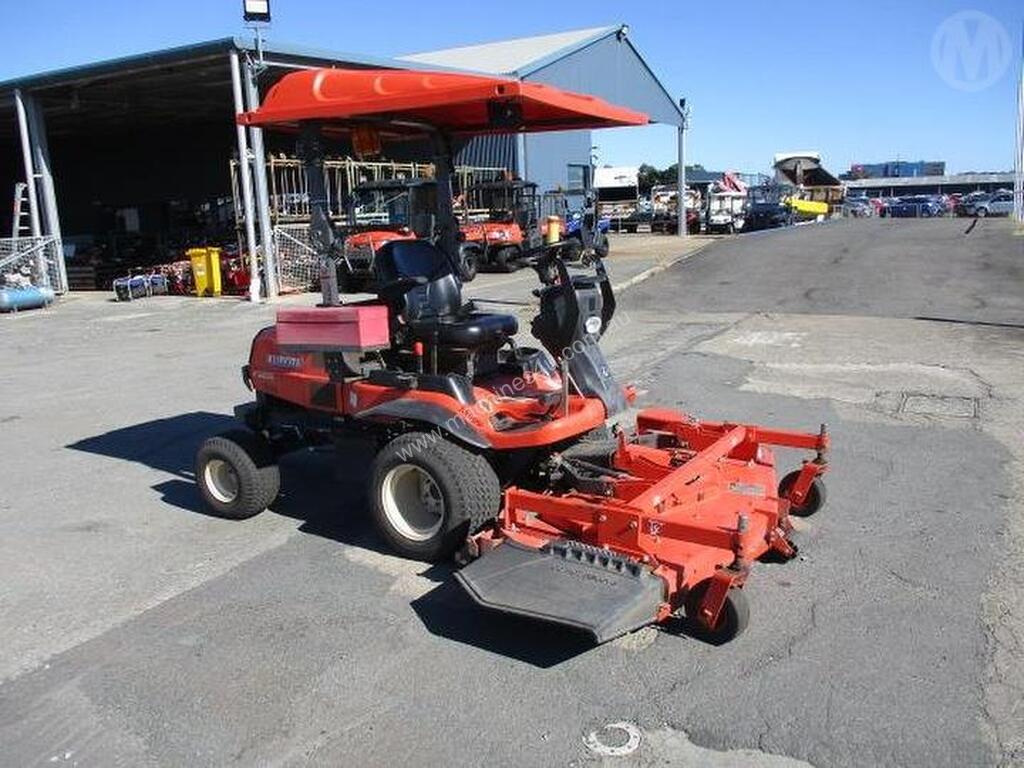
x=18 y=226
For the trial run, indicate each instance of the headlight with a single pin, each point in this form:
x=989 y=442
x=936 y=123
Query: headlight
x=593 y=324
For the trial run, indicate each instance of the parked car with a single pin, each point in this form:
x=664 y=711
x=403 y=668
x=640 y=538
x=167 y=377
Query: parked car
x=766 y=209
x=858 y=207
x=915 y=206
x=965 y=207
x=999 y=204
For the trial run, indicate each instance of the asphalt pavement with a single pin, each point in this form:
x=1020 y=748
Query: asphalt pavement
x=139 y=630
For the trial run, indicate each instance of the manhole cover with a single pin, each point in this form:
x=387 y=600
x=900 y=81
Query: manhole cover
x=938 y=405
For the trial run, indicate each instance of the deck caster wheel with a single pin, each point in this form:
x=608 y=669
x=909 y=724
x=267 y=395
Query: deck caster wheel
x=816 y=495
x=732 y=620
x=237 y=474
x=427 y=497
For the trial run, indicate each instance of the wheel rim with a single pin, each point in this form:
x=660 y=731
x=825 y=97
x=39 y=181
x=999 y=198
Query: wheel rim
x=221 y=480
x=412 y=502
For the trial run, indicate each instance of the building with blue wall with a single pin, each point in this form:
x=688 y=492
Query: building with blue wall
x=601 y=61
x=896 y=169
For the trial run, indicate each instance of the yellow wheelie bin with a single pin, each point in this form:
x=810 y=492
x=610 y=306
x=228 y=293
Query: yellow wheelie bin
x=205 y=270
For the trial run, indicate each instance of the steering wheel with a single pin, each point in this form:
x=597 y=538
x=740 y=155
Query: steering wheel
x=552 y=270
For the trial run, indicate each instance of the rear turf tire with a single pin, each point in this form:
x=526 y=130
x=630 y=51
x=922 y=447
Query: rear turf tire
x=237 y=474
x=427 y=495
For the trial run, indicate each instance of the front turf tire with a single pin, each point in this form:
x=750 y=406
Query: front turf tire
x=427 y=495
x=237 y=474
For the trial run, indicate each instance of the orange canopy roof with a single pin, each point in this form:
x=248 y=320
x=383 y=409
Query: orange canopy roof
x=405 y=100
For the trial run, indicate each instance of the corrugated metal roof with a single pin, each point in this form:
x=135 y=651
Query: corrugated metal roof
x=195 y=51
x=513 y=57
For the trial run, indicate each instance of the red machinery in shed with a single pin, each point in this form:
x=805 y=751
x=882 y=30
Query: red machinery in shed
x=508 y=455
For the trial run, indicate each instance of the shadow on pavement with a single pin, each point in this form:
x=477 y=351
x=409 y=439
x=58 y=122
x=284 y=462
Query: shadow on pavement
x=323 y=489
x=326 y=491
x=448 y=612
x=168 y=445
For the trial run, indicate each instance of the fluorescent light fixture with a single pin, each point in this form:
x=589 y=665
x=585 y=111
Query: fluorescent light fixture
x=256 y=10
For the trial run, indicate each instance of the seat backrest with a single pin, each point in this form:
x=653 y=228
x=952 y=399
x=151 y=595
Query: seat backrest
x=441 y=296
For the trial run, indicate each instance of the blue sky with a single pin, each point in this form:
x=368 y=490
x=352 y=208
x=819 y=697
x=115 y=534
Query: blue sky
x=854 y=81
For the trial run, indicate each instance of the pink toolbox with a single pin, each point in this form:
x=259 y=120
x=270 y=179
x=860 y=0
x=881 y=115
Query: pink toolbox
x=345 y=329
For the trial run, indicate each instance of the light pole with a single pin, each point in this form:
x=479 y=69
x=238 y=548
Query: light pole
x=1018 y=177
x=681 y=170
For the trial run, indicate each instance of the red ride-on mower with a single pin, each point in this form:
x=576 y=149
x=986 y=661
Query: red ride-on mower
x=508 y=231
x=392 y=209
x=496 y=452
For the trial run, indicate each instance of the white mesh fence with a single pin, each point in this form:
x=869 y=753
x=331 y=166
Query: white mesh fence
x=32 y=261
x=298 y=268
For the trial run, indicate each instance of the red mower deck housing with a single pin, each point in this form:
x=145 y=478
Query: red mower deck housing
x=694 y=502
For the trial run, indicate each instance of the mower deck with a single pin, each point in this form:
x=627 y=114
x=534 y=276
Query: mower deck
x=675 y=520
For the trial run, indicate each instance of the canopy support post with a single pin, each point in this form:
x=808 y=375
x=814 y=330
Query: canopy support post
x=447 y=226
x=321 y=232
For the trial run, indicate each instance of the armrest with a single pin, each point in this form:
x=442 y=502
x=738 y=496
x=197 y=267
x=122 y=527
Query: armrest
x=404 y=283
x=396 y=288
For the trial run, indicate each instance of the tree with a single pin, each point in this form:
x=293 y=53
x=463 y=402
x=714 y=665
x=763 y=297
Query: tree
x=649 y=176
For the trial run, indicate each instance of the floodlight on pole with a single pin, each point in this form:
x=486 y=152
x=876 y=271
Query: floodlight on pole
x=256 y=11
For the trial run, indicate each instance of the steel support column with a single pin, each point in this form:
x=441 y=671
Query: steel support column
x=684 y=123
x=46 y=191
x=1018 y=178
x=521 y=156
x=30 y=168
x=245 y=181
x=259 y=172
x=681 y=183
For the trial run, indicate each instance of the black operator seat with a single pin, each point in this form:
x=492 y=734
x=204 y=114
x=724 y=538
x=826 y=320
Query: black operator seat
x=415 y=279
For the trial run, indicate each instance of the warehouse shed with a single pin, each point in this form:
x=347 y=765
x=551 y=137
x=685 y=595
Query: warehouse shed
x=602 y=61
x=126 y=161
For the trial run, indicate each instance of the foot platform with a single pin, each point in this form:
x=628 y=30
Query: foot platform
x=569 y=583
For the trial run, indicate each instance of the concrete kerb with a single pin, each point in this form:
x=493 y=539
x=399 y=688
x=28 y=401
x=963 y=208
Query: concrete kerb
x=660 y=267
